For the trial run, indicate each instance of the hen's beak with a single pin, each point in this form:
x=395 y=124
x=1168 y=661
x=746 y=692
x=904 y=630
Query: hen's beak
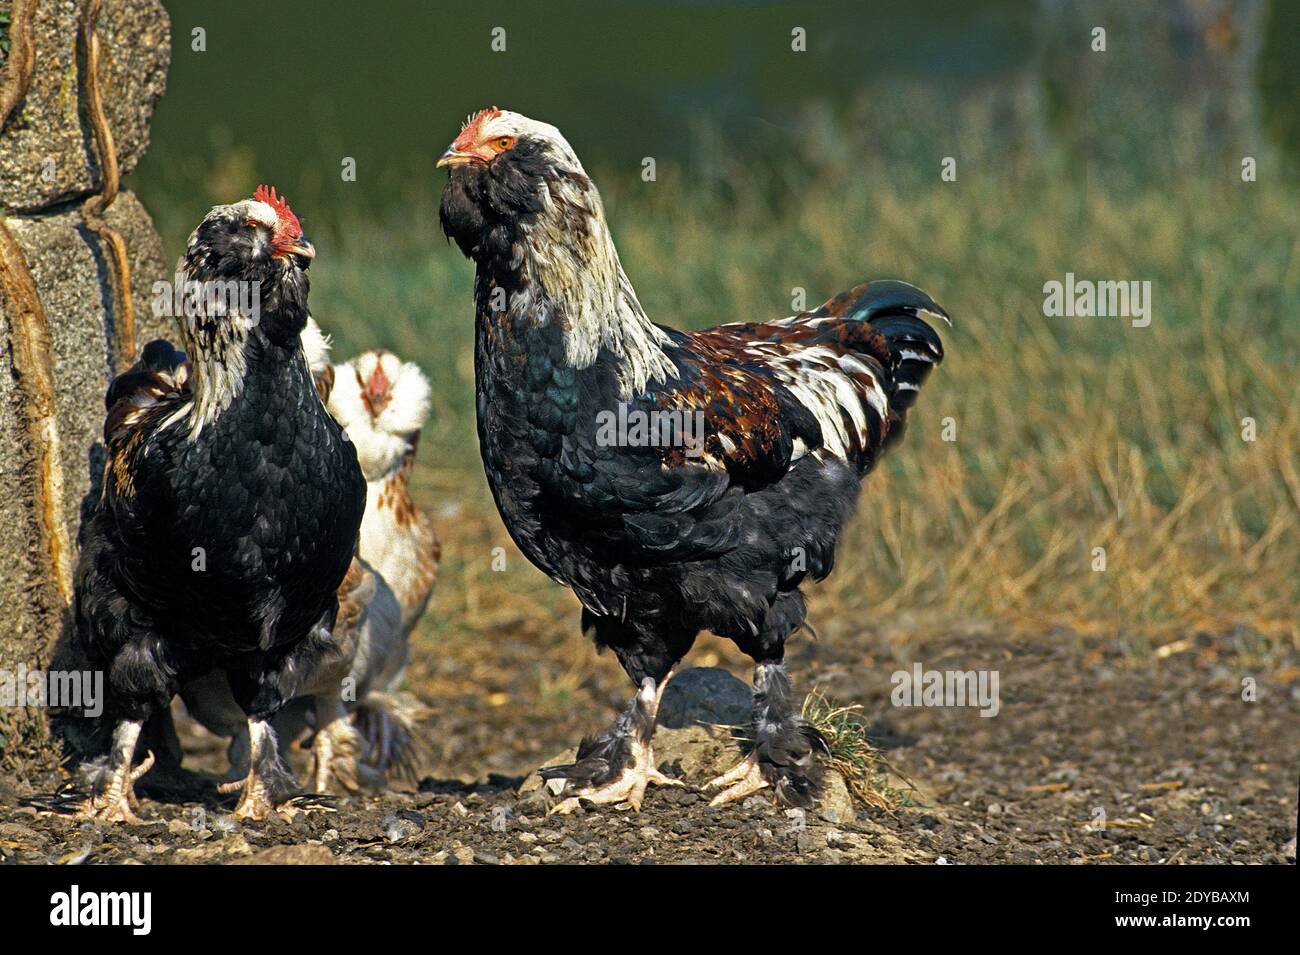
x=376 y=390
x=462 y=152
x=302 y=247
x=453 y=157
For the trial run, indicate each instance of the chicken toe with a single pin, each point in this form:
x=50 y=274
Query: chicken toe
x=744 y=779
x=269 y=784
x=335 y=751
x=618 y=765
x=113 y=798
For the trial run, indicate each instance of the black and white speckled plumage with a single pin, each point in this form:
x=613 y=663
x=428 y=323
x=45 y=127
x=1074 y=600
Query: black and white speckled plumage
x=231 y=498
x=659 y=545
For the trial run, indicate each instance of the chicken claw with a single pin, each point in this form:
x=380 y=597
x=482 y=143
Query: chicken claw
x=268 y=785
x=115 y=800
x=636 y=727
x=743 y=779
x=629 y=786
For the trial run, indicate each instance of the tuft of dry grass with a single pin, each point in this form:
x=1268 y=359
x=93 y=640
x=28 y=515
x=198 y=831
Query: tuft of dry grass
x=867 y=774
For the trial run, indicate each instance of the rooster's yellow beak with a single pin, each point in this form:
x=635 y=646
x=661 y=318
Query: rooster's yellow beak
x=453 y=157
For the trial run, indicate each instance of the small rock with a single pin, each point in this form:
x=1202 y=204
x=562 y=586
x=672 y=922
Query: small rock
x=290 y=855
x=836 y=806
x=399 y=826
x=704 y=695
x=533 y=802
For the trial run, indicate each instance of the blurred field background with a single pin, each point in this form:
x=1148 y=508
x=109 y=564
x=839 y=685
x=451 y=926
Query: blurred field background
x=778 y=170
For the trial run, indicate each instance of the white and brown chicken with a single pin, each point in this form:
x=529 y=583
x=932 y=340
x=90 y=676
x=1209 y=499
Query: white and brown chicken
x=383 y=402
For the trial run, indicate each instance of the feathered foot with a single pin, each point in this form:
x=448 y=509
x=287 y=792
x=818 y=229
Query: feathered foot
x=113 y=792
x=335 y=750
x=388 y=722
x=785 y=750
x=618 y=765
x=269 y=784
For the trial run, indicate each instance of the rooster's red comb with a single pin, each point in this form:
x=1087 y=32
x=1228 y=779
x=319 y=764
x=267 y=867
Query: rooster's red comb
x=288 y=222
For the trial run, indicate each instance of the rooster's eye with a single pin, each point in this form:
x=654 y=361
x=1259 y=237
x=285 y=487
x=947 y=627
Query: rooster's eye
x=502 y=143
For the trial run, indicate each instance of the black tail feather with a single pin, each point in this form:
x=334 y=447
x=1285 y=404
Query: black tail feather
x=902 y=313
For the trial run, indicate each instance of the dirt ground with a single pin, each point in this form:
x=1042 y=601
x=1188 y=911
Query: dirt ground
x=1159 y=746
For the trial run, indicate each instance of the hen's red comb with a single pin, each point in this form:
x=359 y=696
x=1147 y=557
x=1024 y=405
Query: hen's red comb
x=470 y=131
x=288 y=222
x=484 y=114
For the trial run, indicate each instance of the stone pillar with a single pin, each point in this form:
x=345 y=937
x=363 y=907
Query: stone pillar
x=79 y=80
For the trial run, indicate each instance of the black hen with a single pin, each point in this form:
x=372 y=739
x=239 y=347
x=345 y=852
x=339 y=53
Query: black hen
x=676 y=481
x=230 y=507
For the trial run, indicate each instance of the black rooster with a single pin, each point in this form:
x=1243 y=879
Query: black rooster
x=230 y=507
x=714 y=513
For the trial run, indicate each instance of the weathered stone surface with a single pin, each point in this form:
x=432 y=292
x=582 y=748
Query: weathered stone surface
x=46 y=154
x=48 y=167
x=71 y=270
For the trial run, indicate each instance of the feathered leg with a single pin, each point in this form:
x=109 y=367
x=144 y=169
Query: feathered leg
x=617 y=765
x=262 y=692
x=785 y=750
x=113 y=797
x=336 y=748
x=269 y=784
